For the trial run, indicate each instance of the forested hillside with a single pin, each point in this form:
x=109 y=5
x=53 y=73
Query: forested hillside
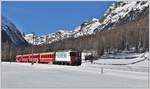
x=131 y=36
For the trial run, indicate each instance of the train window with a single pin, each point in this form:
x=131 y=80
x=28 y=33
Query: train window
x=47 y=56
x=72 y=54
x=34 y=56
x=61 y=55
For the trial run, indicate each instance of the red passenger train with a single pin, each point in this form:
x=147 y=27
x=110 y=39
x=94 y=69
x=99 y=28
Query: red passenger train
x=61 y=57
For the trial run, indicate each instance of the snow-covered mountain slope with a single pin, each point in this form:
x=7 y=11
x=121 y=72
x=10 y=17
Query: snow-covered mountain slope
x=87 y=27
x=11 y=33
x=84 y=29
x=51 y=37
x=121 y=12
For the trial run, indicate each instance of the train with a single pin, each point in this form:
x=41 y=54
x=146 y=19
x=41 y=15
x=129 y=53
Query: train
x=60 y=57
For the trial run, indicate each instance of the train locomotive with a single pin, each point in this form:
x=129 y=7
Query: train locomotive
x=60 y=57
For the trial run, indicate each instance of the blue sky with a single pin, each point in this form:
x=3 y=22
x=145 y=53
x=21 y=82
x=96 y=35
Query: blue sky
x=49 y=16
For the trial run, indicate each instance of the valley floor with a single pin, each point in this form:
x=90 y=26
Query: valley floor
x=25 y=75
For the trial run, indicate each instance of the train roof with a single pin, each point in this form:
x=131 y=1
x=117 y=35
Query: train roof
x=67 y=51
x=47 y=52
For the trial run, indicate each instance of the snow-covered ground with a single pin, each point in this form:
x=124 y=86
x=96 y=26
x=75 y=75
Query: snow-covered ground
x=23 y=75
x=143 y=57
x=102 y=73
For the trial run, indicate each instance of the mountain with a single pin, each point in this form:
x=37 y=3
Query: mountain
x=11 y=39
x=51 y=37
x=87 y=27
x=121 y=12
x=11 y=33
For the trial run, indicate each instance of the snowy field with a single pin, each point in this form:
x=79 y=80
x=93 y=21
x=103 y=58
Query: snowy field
x=24 y=75
x=103 y=73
